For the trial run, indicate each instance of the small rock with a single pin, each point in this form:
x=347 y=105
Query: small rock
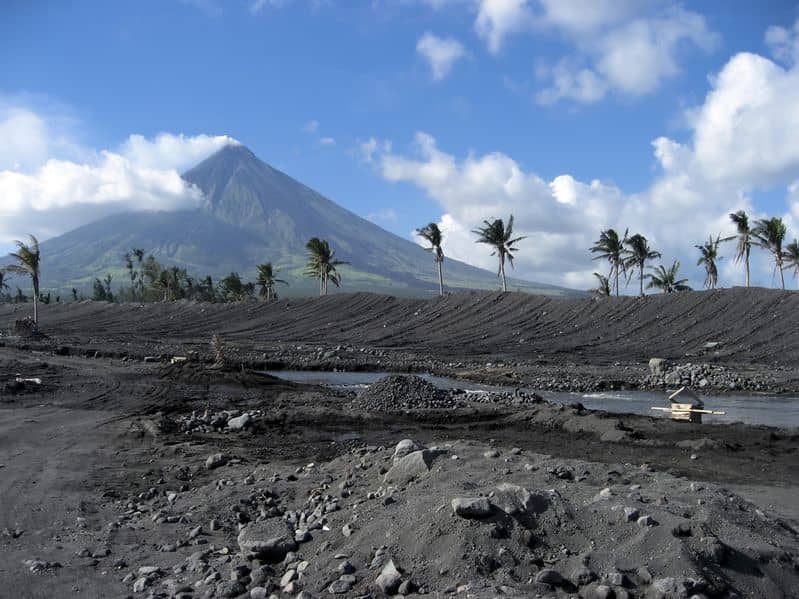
x=215 y=461
x=230 y=588
x=549 y=576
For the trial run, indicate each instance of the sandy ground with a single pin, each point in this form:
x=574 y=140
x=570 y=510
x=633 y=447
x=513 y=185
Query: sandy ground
x=101 y=476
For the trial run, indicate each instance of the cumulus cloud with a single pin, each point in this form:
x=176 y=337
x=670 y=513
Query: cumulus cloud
x=440 y=53
x=605 y=43
x=784 y=43
x=48 y=195
x=172 y=152
x=496 y=19
x=744 y=136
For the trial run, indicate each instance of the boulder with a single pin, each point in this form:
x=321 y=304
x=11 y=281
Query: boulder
x=410 y=467
x=517 y=501
x=472 y=507
x=237 y=424
x=215 y=461
x=389 y=579
x=658 y=366
x=405 y=447
x=269 y=539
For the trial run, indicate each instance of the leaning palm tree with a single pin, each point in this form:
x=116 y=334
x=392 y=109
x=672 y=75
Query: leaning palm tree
x=666 y=279
x=637 y=253
x=500 y=237
x=266 y=281
x=708 y=256
x=432 y=235
x=744 y=237
x=603 y=285
x=769 y=233
x=27 y=257
x=611 y=248
x=790 y=256
x=322 y=263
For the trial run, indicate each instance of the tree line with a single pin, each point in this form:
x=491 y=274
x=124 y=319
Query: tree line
x=629 y=254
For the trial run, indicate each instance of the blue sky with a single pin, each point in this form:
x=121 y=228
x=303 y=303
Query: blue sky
x=410 y=111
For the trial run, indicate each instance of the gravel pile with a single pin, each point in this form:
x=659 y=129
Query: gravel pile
x=460 y=519
x=701 y=376
x=398 y=392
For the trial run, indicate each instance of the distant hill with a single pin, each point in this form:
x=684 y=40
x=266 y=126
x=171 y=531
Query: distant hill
x=254 y=213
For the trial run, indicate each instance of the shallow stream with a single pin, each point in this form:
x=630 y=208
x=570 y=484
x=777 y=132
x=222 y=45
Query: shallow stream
x=776 y=411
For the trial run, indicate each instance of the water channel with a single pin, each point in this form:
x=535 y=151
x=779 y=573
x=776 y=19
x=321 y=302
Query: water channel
x=778 y=411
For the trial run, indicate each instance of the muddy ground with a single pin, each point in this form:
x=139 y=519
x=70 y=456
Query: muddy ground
x=104 y=478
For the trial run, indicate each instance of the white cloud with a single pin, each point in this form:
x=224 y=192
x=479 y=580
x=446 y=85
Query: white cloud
x=327 y=141
x=748 y=128
x=48 y=196
x=587 y=15
x=745 y=135
x=784 y=43
x=440 y=53
x=311 y=126
x=174 y=152
x=366 y=150
x=630 y=57
x=496 y=19
x=258 y=5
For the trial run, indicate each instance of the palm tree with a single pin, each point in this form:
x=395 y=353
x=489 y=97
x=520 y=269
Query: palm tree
x=3 y=284
x=27 y=257
x=266 y=280
x=432 y=234
x=322 y=263
x=500 y=237
x=769 y=233
x=603 y=285
x=790 y=255
x=666 y=279
x=611 y=248
x=744 y=238
x=637 y=254
x=708 y=256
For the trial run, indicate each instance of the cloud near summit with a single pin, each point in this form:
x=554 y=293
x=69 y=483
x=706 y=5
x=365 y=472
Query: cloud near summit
x=49 y=184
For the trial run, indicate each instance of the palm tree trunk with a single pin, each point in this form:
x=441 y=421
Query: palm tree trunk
x=36 y=301
x=502 y=272
x=440 y=280
x=641 y=279
x=616 y=271
x=782 y=275
x=747 y=267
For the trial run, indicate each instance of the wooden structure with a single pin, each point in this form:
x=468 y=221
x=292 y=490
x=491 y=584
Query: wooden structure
x=687 y=406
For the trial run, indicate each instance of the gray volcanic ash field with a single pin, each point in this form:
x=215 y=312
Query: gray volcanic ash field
x=122 y=477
